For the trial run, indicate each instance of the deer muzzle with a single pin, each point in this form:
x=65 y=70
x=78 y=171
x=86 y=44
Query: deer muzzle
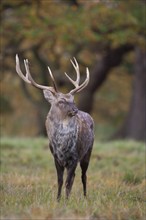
x=73 y=111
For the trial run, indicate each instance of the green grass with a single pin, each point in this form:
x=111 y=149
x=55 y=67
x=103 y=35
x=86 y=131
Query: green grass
x=28 y=185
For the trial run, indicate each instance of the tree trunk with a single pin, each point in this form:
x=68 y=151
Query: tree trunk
x=99 y=74
x=134 y=126
x=41 y=119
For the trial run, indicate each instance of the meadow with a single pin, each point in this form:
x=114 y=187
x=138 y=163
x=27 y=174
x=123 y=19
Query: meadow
x=28 y=186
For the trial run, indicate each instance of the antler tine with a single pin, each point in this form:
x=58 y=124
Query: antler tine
x=85 y=83
x=72 y=81
x=28 y=75
x=78 y=87
x=76 y=66
x=28 y=78
x=25 y=78
x=27 y=70
x=53 y=79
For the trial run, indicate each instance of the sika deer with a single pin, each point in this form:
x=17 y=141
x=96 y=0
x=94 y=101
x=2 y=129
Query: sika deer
x=69 y=130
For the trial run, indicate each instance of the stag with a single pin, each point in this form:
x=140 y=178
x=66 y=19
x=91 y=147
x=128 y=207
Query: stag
x=70 y=131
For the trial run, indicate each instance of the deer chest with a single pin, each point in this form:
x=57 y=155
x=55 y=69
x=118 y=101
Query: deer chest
x=63 y=140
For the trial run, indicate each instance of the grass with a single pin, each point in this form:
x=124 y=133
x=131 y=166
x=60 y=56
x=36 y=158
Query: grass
x=28 y=185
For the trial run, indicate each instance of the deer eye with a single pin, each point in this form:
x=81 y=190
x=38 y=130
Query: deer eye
x=62 y=101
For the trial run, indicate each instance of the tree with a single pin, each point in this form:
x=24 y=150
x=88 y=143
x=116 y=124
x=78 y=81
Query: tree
x=111 y=59
x=134 y=126
x=72 y=28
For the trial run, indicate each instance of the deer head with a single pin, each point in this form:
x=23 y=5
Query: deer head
x=64 y=102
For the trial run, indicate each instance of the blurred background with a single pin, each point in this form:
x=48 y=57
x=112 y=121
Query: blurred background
x=106 y=36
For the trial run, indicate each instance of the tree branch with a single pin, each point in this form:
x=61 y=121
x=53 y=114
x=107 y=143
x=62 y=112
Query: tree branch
x=112 y=58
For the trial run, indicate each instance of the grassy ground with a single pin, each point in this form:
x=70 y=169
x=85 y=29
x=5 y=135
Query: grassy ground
x=115 y=182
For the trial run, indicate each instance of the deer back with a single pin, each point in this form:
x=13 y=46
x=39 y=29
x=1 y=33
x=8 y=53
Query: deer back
x=85 y=133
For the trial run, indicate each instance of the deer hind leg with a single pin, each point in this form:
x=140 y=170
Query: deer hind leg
x=84 y=166
x=70 y=179
x=60 y=172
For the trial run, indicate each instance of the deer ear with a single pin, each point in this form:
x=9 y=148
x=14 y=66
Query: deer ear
x=49 y=95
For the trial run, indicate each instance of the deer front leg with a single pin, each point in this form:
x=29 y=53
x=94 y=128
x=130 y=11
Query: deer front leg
x=70 y=179
x=60 y=171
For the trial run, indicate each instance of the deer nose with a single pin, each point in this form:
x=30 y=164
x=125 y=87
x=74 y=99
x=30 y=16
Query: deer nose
x=74 y=111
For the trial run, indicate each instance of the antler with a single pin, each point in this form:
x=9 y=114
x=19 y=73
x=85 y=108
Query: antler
x=78 y=87
x=28 y=78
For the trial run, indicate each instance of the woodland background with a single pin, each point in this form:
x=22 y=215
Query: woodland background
x=106 y=36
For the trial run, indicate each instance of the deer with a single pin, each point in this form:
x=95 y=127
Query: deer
x=70 y=131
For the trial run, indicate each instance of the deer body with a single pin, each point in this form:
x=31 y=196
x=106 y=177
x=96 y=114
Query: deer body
x=63 y=138
x=70 y=138
x=70 y=131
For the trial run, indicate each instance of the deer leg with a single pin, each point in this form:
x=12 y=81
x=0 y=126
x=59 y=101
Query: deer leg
x=60 y=171
x=84 y=166
x=70 y=179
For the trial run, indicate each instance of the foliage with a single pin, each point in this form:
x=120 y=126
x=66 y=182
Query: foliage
x=52 y=32
x=5 y=105
x=115 y=182
x=61 y=28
